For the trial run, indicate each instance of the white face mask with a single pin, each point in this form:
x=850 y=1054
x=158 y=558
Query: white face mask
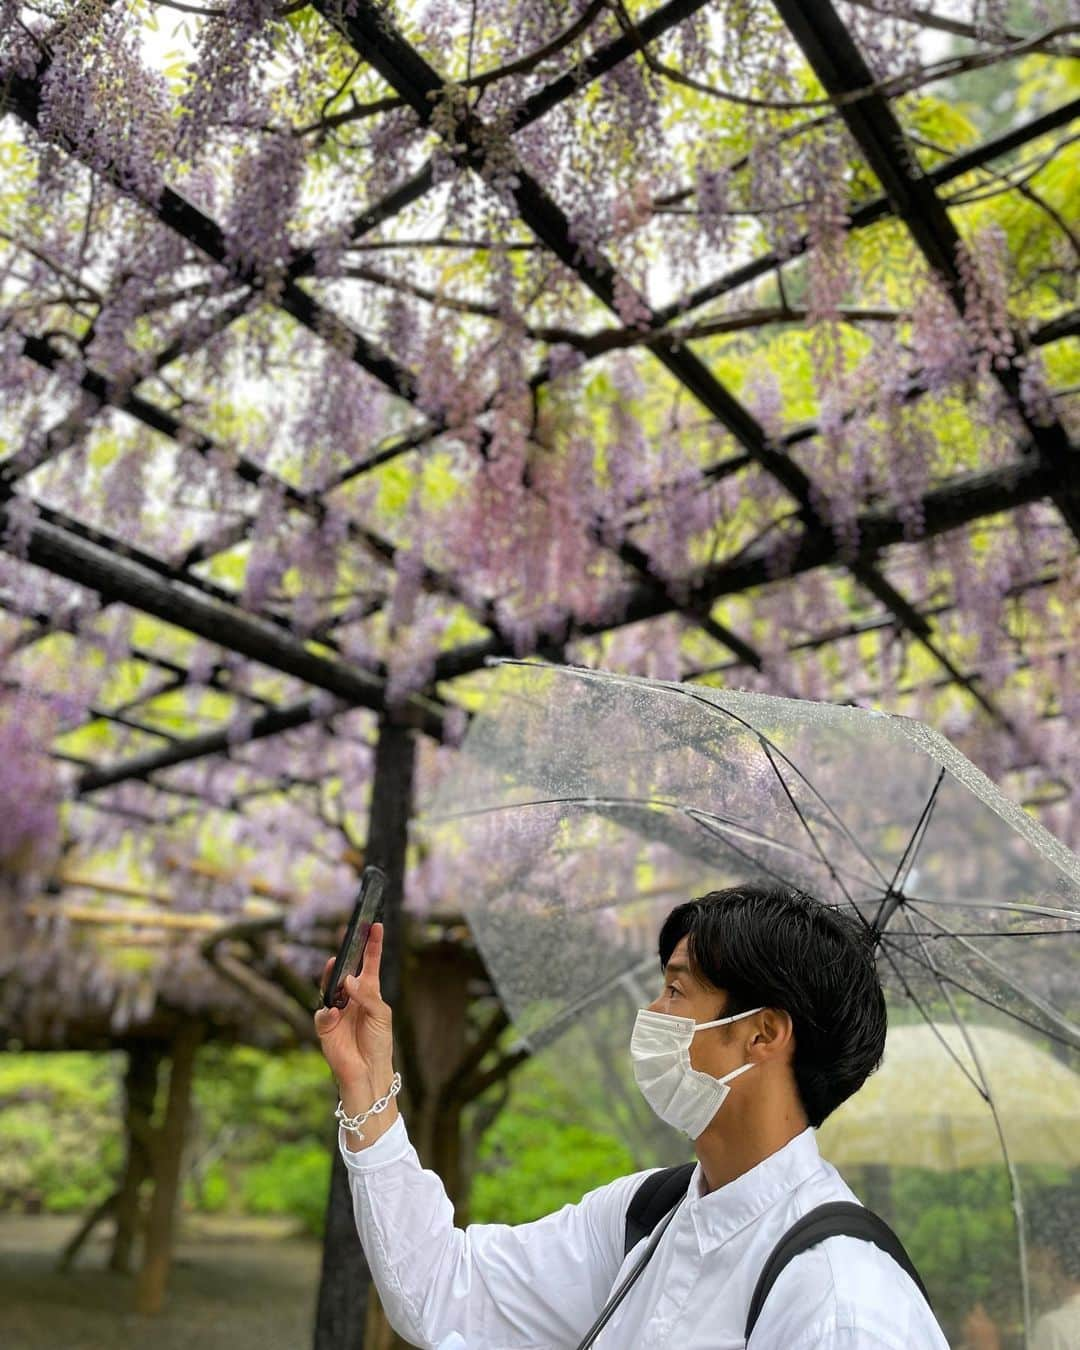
x=679 y=1094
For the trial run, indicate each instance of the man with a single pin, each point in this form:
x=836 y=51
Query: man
x=770 y=1016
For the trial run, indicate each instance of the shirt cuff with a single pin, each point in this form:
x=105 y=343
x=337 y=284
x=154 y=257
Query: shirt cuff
x=394 y=1144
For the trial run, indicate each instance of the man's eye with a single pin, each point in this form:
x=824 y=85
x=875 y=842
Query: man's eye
x=672 y=990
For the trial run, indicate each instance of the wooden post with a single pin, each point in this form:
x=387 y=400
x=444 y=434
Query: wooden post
x=140 y=1093
x=345 y=1292
x=150 y=1289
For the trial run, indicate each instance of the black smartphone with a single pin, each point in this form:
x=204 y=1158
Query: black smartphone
x=350 y=957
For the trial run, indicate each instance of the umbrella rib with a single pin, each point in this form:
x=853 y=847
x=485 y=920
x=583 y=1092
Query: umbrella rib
x=677 y=887
x=998 y=933
x=584 y=1000
x=600 y=677
x=1033 y=998
x=742 y=853
x=705 y=818
x=765 y=744
x=1068 y=1041
x=1012 y=905
x=1014 y=1184
x=931 y=1023
x=697 y=814
x=890 y=901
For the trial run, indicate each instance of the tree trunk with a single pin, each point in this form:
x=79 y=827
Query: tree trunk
x=347 y=1313
x=100 y=1211
x=140 y=1093
x=168 y=1151
x=345 y=1288
x=438 y=980
x=876 y=1190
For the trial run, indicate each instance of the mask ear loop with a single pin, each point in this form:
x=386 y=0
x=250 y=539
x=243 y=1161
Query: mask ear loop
x=723 y=1021
x=735 y=1072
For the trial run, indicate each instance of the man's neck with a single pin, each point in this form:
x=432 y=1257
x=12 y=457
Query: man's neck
x=736 y=1142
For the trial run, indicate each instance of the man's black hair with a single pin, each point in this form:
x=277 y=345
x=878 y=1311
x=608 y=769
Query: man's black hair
x=772 y=946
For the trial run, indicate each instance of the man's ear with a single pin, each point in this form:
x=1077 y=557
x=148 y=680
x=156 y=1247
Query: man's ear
x=773 y=1034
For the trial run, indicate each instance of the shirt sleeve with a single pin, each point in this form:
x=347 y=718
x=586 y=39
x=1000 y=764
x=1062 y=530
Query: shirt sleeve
x=533 y=1286
x=849 y=1338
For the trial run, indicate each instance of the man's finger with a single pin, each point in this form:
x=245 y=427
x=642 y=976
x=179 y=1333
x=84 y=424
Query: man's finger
x=373 y=956
x=326 y=975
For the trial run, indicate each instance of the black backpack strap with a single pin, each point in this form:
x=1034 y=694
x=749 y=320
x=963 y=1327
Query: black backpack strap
x=656 y=1195
x=839 y=1219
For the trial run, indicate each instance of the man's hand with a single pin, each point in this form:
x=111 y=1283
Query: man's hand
x=358 y=1043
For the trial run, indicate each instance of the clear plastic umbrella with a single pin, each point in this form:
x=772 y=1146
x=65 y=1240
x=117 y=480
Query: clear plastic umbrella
x=584 y=806
x=886 y=1123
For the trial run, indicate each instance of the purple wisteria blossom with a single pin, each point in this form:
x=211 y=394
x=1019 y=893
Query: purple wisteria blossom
x=289 y=363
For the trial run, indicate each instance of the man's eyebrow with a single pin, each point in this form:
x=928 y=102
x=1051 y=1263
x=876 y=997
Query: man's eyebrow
x=677 y=968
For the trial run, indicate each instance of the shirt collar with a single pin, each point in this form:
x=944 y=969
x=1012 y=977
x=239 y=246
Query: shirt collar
x=722 y=1213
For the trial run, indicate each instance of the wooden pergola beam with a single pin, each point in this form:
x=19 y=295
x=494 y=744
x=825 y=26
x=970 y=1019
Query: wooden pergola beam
x=402 y=66
x=209 y=237
x=860 y=216
x=166 y=424
x=606 y=57
x=204 y=233
x=949 y=507
x=124 y=580
x=878 y=208
x=273 y=723
x=131 y=918
x=875 y=624
x=207 y=232
x=836 y=60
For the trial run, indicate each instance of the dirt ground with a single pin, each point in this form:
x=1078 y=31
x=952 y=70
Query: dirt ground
x=236 y=1284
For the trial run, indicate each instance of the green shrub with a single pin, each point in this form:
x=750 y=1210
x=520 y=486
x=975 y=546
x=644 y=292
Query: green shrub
x=530 y=1164
x=212 y=1193
x=61 y=1134
x=295 y=1180
x=60 y=1137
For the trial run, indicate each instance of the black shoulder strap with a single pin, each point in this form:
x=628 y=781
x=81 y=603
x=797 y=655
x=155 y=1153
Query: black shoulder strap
x=839 y=1219
x=653 y=1199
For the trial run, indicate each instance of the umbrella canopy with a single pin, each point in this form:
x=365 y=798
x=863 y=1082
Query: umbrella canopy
x=891 y=1121
x=586 y=805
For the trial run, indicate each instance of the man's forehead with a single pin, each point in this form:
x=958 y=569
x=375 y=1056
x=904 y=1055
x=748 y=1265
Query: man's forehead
x=680 y=954
x=679 y=960
x=680 y=964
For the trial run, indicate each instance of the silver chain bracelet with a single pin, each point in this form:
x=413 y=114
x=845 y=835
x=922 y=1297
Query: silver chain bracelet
x=353 y=1123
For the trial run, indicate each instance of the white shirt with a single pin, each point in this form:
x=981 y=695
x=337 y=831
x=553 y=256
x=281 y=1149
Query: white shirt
x=540 y=1285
